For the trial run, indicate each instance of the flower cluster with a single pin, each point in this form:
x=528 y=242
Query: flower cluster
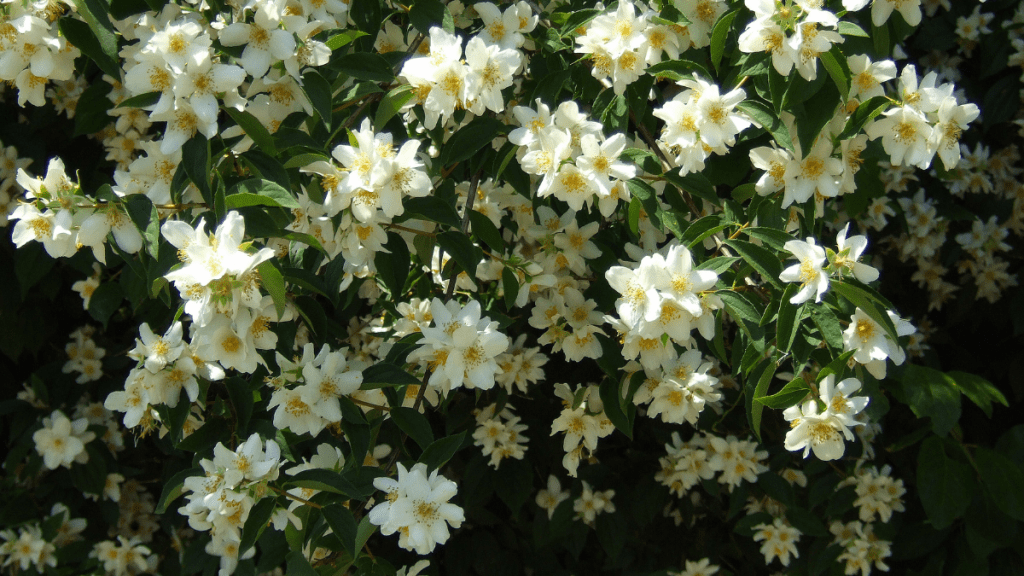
x=583 y=421
x=500 y=435
x=823 y=429
x=418 y=507
x=700 y=121
x=705 y=455
x=61 y=442
x=220 y=500
x=306 y=394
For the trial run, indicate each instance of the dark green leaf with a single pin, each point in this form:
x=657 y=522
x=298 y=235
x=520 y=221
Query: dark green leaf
x=865 y=112
x=320 y=93
x=174 y=488
x=470 y=139
x=195 y=159
x=298 y=565
x=364 y=66
x=1003 y=479
x=764 y=117
x=770 y=236
x=257 y=192
x=789 y=319
x=828 y=325
x=442 y=450
x=140 y=101
x=483 y=229
x=393 y=265
x=760 y=259
x=756 y=408
x=462 y=249
x=384 y=374
x=613 y=408
x=978 y=390
x=142 y=212
x=510 y=284
x=696 y=184
x=577 y=19
x=106 y=299
x=718 y=35
x=932 y=394
x=944 y=485
x=433 y=209
x=677 y=69
x=344 y=526
x=847 y=28
x=426 y=14
x=272 y=280
x=253 y=129
x=259 y=517
x=790 y=395
x=414 y=424
x=835 y=63
x=93 y=39
x=391 y=104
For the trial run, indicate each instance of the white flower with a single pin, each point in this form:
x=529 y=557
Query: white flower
x=552 y=496
x=264 y=40
x=593 y=502
x=418 y=507
x=846 y=261
x=809 y=273
x=823 y=431
x=61 y=442
x=873 y=344
x=779 y=541
x=461 y=346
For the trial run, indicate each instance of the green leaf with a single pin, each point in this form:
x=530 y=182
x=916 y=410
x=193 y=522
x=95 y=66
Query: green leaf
x=442 y=450
x=789 y=319
x=298 y=565
x=256 y=523
x=253 y=129
x=142 y=212
x=760 y=259
x=867 y=111
x=195 y=159
x=828 y=325
x=320 y=479
x=880 y=35
x=484 y=229
x=847 y=28
x=272 y=280
x=174 y=488
x=510 y=284
x=944 y=485
x=695 y=183
x=364 y=66
x=932 y=394
x=258 y=192
x=363 y=532
x=414 y=424
x=577 y=19
x=764 y=117
x=756 y=408
x=391 y=104
x=426 y=14
x=718 y=36
x=790 y=395
x=384 y=374
x=835 y=63
x=140 y=101
x=836 y=367
x=393 y=265
x=980 y=391
x=431 y=208
x=698 y=228
x=613 y=406
x=1003 y=479
x=95 y=37
x=775 y=238
x=345 y=37
x=320 y=93
x=106 y=299
x=647 y=196
x=344 y=526
x=305 y=159
x=677 y=69
x=470 y=139
x=462 y=249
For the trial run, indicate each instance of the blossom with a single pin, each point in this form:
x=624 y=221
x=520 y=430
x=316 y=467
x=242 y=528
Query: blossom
x=549 y=498
x=778 y=540
x=823 y=430
x=61 y=442
x=813 y=279
x=846 y=261
x=418 y=507
x=872 y=344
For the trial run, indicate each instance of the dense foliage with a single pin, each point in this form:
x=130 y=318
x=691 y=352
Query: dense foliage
x=688 y=287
